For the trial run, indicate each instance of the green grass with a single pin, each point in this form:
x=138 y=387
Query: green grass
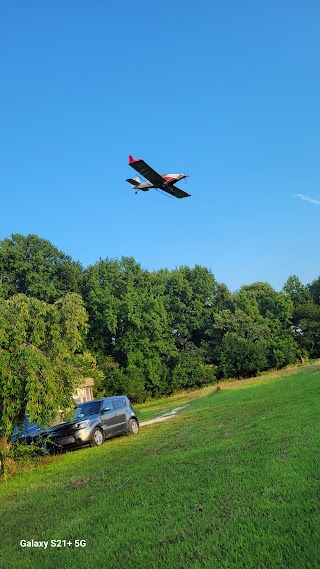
x=231 y=482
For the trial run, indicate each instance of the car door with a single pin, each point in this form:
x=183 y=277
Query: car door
x=109 y=419
x=120 y=408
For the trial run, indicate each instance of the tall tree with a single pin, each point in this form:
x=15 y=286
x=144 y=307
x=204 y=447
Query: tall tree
x=128 y=326
x=243 y=348
x=274 y=310
x=191 y=297
x=189 y=369
x=307 y=329
x=33 y=266
x=271 y=304
x=306 y=315
x=41 y=360
x=314 y=289
x=298 y=292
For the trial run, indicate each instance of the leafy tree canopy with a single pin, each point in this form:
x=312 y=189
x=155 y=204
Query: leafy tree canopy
x=148 y=332
x=271 y=304
x=314 y=289
x=298 y=293
x=40 y=361
x=33 y=266
x=128 y=326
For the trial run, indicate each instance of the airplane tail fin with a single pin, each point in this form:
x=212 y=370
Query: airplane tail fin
x=134 y=181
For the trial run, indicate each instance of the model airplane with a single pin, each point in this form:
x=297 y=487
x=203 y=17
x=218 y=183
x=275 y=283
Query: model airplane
x=163 y=182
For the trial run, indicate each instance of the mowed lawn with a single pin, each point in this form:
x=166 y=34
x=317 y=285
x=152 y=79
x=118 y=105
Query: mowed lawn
x=232 y=481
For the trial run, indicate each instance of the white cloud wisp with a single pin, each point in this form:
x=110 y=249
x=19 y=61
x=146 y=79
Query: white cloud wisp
x=307 y=199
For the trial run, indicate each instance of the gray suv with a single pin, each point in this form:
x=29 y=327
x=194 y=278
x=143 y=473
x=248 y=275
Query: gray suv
x=94 y=422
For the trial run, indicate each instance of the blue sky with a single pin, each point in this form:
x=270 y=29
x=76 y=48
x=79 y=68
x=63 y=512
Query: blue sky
x=228 y=92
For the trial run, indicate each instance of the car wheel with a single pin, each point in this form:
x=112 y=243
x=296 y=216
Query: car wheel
x=133 y=428
x=45 y=449
x=96 y=437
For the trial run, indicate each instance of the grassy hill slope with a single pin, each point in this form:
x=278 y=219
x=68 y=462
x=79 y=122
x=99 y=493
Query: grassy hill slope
x=231 y=482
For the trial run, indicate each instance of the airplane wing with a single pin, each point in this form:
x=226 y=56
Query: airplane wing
x=174 y=191
x=146 y=171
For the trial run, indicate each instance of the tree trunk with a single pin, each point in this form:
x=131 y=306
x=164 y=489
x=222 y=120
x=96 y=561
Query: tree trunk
x=4 y=447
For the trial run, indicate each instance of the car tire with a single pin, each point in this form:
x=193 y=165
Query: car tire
x=96 y=437
x=133 y=428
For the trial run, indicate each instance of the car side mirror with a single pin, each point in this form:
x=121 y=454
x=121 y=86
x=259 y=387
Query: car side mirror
x=105 y=409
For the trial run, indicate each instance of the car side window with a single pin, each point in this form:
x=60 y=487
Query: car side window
x=118 y=403
x=107 y=404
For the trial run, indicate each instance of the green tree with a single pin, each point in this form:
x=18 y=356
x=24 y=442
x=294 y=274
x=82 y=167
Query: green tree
x=41 y=359
x=33 y=266
x=298 y=293
x=271 y=304
x=314 y=289
x=128 y=326
x=241 y=356
x=306 y=316
x=113 y=380
x=191 y=298
x=273 y=310
x=243 y=348
x=281 y=348
x=189 y=370
x=307 y=328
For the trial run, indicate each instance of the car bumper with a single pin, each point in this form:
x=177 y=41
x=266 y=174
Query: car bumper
x=75 y=438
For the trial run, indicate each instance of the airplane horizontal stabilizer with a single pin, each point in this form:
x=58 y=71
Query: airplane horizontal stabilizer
x=135 y=182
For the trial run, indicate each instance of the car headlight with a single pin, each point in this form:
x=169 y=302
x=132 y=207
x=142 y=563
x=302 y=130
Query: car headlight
x=81 y=425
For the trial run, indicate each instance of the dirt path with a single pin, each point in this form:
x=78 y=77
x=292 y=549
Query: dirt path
x=163 y=417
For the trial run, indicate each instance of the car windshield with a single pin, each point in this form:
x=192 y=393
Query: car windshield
x=85 y=409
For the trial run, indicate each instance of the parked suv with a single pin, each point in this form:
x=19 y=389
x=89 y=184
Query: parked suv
x=95 y=421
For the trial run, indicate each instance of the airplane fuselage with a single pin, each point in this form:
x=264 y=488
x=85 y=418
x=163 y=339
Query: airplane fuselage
x=168 y=179
x=173 y=178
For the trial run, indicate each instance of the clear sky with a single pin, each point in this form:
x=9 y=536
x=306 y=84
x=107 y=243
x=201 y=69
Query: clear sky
x=228 y=92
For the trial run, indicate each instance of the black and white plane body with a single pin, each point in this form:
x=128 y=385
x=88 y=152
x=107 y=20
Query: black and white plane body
x=164 y=182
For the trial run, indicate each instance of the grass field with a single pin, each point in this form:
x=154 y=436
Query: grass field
x=231 y=482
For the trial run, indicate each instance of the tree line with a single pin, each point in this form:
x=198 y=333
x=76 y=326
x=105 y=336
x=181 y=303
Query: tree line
x=139 y=332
